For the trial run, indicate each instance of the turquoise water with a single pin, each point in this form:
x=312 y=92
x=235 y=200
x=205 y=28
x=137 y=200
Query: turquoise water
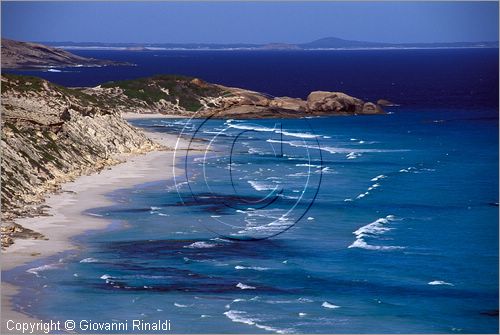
x=402 y=235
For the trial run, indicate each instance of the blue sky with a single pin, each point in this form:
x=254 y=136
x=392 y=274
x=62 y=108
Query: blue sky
x=249 y=22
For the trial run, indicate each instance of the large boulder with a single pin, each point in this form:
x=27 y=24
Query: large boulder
x=371 y=108
x=333 y=102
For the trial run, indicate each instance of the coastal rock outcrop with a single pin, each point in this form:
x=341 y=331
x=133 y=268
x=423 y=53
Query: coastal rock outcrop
x=193 y=97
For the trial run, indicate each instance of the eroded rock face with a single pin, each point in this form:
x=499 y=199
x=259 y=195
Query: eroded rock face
x=50 y=136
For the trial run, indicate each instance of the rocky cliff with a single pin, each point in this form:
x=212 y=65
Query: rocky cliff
x=51 y=135
x=17 y=54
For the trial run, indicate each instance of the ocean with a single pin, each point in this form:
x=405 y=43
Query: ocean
x=359 y=224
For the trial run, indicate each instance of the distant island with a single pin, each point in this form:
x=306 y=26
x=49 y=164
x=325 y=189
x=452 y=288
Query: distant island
x=328 y=43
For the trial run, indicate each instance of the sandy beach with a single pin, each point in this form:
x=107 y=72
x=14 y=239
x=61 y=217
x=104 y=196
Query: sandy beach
x=66 y=219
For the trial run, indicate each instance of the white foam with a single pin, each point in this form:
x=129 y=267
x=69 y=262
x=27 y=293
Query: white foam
x=378 y=177
x=362 y=195
x=36 y=271
x=329 y=305
x=266 y=129
x=245 y=287
x=302 y=314
x=439 y=282
x=241 y=317
x=352 y=155
x=256 y=268
x=310 y=218
x=373 y=230
x=199 y=245
x=180 y=305
x=259 y=186
x=309 y=165
x=334 y=150
x=89 y=260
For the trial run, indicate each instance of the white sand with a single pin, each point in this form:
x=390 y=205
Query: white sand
x=66 y=219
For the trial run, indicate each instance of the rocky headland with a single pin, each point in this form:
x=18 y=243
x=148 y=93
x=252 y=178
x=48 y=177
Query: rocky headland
x=25 y=55
x=193 y=97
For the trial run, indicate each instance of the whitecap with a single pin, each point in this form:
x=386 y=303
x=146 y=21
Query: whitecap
x=378 y=177
x=373 y=230
x=352 y=155
x=374 y=186
x=439 y=282
x=362 y=195
x=329 y=305
x=259 y=186
x=107 y=278
x=199 y=245
x=89 y=260
x=309 y=165
x=256 y=268
x=266 y=129
x=180 y=305
x=241 y=317
x=245 y=287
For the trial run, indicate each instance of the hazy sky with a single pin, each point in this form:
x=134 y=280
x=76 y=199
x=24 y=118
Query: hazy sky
x=250 y=22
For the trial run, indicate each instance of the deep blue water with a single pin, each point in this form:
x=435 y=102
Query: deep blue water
x=446 y=77
x=402 y=235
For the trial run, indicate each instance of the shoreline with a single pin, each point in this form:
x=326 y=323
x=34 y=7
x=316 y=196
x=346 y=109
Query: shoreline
x=66 y=213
